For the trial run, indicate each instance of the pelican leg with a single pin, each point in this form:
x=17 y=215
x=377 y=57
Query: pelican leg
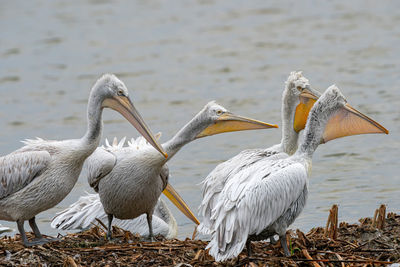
x=21 y=230
x=109 y=231
x=149 y=222
x=248 y=247
x=282 y=238
x=39 y=238
x=35 y=228
x=20 y=224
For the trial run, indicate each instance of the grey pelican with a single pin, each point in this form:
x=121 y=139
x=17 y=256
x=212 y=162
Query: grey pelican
x=297 y=100
x=39 y=175
x=83 y=213
x=128 y=179
x=265 y=197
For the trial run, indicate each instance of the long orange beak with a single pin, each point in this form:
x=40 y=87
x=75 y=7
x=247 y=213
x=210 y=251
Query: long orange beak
x=229 y=122
x=178 y=201
x=349 y=121
x=124 y=105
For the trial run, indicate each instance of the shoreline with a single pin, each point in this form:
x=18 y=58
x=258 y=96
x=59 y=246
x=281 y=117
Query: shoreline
x=372 y=241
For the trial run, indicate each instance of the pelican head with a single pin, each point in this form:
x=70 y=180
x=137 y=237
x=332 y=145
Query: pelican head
x=344 y=120
x=216 y=119
x=347 y=121
x=298 y=93
x=112 y=93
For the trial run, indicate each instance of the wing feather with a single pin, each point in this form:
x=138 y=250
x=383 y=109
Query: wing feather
x=17 y=170
x=5 y=229
x=141 y=143
x=251 y=202
x=216 y=180
x=81 y=214
x=98 y=165
x=103 y=159
x=139 y=225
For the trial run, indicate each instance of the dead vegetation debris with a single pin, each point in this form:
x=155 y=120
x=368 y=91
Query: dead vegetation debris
x=373 y=242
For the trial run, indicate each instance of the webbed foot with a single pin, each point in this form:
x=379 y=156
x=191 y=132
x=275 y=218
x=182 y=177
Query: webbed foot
x=109 y=236
x=36 y=242
x=150 y=239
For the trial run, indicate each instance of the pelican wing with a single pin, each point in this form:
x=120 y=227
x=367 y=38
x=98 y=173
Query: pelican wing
x=83 y=213
x=104 y=158
x=37 y=145
x=141 y=143
x=251 y=202
x=5 y=229
x=216 y=180
x=98 y=165
x=17 y=170
x=139 y=225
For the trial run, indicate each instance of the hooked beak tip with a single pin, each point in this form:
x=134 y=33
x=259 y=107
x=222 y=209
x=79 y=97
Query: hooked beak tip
x=385 y=131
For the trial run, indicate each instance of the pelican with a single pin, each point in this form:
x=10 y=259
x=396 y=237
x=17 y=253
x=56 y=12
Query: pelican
x=297 y=100
x=39 y=175
x=5 y=229
x=128 y=179
x=264 y=198
x=83 y=213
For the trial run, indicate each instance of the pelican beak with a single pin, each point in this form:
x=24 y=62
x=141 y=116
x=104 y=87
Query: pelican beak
x=175 y=198
x=307 y=100
x=349 y=121
x=124 y=105
x=229 y=122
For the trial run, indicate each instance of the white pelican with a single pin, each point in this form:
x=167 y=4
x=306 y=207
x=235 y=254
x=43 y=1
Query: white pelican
x=263 y=198
x=39 y=175
x=83 y=213
x=128 y=180
x=296 y=96
x=5 y=229
x=297 y=100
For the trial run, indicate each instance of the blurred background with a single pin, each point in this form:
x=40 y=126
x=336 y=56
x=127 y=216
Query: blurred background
x=175 y=56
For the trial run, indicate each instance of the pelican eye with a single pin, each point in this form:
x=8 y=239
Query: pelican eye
x=300 y=88
x=219 y=112
x=120 y=92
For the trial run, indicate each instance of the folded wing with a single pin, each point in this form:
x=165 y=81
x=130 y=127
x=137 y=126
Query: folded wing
x=17 y=170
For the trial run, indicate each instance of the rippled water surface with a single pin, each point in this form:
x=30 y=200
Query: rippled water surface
x=175 y=56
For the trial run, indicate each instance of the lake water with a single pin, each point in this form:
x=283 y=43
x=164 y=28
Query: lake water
x=175 y=56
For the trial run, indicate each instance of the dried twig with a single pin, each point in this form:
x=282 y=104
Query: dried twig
x=346 y=261
x=340 y=258
x=101 y=223
x=70 y=262
x=308 y=257
x=355 y=245
x=194 y=233
x=379 y=217
x=332 y=223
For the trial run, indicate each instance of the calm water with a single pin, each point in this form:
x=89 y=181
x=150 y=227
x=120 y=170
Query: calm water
x=175 y=56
